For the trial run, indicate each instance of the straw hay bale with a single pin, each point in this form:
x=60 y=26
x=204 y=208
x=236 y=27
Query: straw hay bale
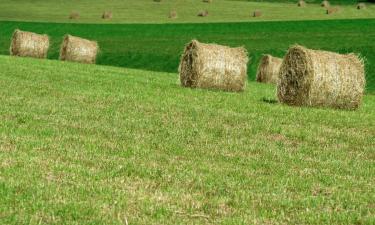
x=320 y=78
x=257 y=13
x=301 y=3
x=207 y=1
x=268 y=69
x=107 y=15
x=28 y=44
x=172 y=14
x=78 y=50
x=361 y=5
x=213 y=66
x=332 y=10
x=74 y=16
x=325 y=4
x=203 y=13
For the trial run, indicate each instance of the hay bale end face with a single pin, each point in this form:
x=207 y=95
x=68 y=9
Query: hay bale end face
x=77 y=49
x=268 y=69
x=325 y=4
x=301 y=3
x=213 y=66
x=361 y=5
x=28 y=44
x=257 y=13
x=74 y=16
x=320 y=78
x=172 y=14
x=107 y=15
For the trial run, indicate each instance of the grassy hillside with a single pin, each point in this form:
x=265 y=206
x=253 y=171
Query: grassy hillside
x=341 y=2
x=158 y=47
x=104 y=145
x=148 y=11
x=92 y=144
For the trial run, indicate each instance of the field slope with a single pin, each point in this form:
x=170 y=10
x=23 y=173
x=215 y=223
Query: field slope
x=104 y=145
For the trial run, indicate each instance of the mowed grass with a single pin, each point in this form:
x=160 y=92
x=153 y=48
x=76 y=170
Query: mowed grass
x=158 y=47
x=86 y=144
x=148 y=11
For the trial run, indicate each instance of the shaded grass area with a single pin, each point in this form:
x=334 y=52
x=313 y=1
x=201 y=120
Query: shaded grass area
x=103 y=145
x=148 y=11
x=158 y=47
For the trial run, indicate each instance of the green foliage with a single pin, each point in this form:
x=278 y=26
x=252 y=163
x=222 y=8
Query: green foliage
x=158 y=47
x=86 y=144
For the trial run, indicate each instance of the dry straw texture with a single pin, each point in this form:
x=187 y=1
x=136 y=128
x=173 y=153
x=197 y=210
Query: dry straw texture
x=78 y=50
x=268 y=69
x=28 y=44
x=74 y=16
x=203 y=13
x=213 y=66
x=361 y=5
x=320 y=78
x=332 y=10
x=172 y=14
x=257 y=13
x=325 y=4
x=107 y=15
x=301 y=3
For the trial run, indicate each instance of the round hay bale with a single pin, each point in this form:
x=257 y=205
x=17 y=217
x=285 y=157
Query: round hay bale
x=257 y=13
x=172 y=14
x=213 y=66
x=28 y=44
x=74 y=16
x=320 y=78
x=107 y=15
x=203 y=13
x=301 y=3
x=325 y=4
x=207 y=1
x=77 y=49
x=361 y=5
x=268 y=69
x=332 y=10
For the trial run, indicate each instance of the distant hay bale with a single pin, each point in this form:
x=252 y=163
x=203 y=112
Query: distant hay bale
x=301 y=3
x=28 y=44
x=268 y=69
x=74 y=16
x=157 y=0
x=213 y=66
x=325 y=4
x=257 y=13
x=172 y=14
x=77 y=49
x=332 y=10
x=203 y=13
x=207 y=1
x=107 y=15
x=320 y=78
x=361 y=5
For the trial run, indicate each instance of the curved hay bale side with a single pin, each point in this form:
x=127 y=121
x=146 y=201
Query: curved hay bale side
x=172 y=14
x=107 y=15
x=74 y=16
x=325 y=4
x=301 y=3
x=77 y=49
x=28 y=44
x=361 y=5
x=320 y=78
x=213 y=66
x=268 y=69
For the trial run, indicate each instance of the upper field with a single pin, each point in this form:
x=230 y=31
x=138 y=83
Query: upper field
x=148 y=11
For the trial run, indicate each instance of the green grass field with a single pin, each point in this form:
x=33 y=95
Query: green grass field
x=158 y=47
x=85 y=144
x=123 y=143
x=148 y=11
